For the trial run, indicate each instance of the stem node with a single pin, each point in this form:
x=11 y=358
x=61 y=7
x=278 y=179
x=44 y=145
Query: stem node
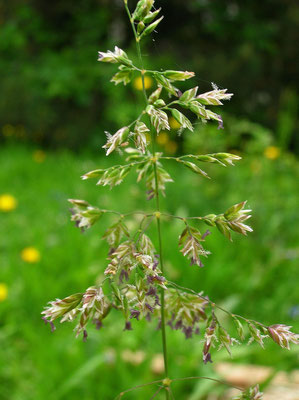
x=157 y=214
x=166 y=382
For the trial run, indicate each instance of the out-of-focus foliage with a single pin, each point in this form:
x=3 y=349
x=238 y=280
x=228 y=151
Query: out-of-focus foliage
x=239 y=135
x=54 y=92
x=250 y=47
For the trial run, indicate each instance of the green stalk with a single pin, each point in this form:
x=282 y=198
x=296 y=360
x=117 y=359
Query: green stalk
x=164 y=341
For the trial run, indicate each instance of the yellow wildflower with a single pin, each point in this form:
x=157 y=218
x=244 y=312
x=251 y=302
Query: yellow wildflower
x=137 y=83
x=3 y=292
x=8 y=130
x=174 y=124
x=39 y=156
x=162 y=138
x=7 y=202
x=171 y=147
x=272 y=152
x=30 y=255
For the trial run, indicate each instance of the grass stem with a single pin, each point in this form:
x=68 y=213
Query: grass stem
x=164 y=341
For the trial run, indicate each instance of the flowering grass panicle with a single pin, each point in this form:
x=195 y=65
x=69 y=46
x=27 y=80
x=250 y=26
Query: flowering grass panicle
x=136 y=284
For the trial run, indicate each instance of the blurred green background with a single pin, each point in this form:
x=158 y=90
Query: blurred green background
x=56 y=101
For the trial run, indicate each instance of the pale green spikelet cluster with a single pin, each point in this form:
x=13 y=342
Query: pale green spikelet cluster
x=252 y=393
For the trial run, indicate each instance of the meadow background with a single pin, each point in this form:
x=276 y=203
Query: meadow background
x=57 y=101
